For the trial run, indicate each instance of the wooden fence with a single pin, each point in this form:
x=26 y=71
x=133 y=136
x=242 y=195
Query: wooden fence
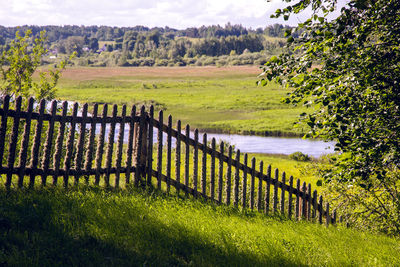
x=44 y=143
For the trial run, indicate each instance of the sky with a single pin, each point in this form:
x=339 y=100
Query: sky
x=179 y=14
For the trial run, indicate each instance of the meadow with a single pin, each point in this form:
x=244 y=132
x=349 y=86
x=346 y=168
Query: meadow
x=96 y=227
x=213 y=99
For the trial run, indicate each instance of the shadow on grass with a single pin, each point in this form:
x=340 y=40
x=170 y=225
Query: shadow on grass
x=54 y=228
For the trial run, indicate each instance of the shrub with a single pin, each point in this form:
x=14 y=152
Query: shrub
x=299 y=156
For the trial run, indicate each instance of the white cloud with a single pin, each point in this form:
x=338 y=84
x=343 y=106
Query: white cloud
x=173 y=13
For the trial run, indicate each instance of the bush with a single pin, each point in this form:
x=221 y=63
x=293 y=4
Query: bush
x=299 y=156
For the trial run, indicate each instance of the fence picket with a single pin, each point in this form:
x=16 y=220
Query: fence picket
x=49 y=142
x=333 y=219
x=100 y=144
x=140 y=159
x=252 y=181
x=79 y=146
x=228 y=182
x=304 y=201
x=36 y=145
x=328 y=216
x=195 y=161
x=309 y=203
x=187 y=155
x=212 y=170
x=3 y=126
x=70 y=145
x=283 y=190
x=259 y=191
x=236 y=180
x=25 y=143
x=13 y=143
x=290 y=199
x=150 y=146
x=275 y=201
x=244 y=183
x=89 y=147
x=220 y=172
x=178 y=156
x=59 y=144
x=169 y=152
x=298 y=199
x=110 y=146
x=204 y=166
x=120 y=143
x=320 y=211
x=160 y=148
x=267 y=190
x=129 y=151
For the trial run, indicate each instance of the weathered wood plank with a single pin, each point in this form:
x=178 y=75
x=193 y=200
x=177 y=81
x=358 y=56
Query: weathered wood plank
x=70 y=145
x=252 y=182
x=236 y=180
x=178 y=156
x=283 y=191
x=59 y=143
x=129 y=152
x=36 y=144
x=290 y=199
x=100 y=144
x=150 y=146
x=195 y=161
x=212 y=170
x=187 y=155
x=220 y=172
x=120 y=143
x=169 y=154
x=80 y=144
x=160 y=148
x=320 y=211
x=259 y=191
x=297 y=199
x=309 y=202
x=304 y=201
x=140 y=151
x=275 y=197
x=25 y=143
x=3 y=126
x=228 y=181
x=204 y=167
x=267 y=190
x=244 y=184
x=13 y=142
x=90 y=145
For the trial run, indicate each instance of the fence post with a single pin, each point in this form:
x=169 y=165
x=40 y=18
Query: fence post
x=140 y=147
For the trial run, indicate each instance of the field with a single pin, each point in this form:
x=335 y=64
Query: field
x=95 y=227
x=209 y=98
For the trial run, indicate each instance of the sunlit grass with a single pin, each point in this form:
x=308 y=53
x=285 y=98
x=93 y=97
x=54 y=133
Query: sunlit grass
x=95 y=227
x=215 y=99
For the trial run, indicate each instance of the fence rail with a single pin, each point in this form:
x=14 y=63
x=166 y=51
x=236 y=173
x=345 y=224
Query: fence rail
x=72 y=143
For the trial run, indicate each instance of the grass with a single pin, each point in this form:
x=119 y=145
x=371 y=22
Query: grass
x=209 y=98
x=94 y=227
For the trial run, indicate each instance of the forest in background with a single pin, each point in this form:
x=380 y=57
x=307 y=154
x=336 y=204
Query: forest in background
x=103 y=46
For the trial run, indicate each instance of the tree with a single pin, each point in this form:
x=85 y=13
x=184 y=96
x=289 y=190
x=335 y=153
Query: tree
x=349 y=69
x=19 y=63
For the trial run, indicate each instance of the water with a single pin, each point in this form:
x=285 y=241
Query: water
x=250 y=143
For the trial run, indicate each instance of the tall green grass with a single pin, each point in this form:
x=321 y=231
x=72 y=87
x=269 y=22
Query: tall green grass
x=95 y=227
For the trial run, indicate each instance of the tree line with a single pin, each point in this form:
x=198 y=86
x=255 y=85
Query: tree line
x=143 y=46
